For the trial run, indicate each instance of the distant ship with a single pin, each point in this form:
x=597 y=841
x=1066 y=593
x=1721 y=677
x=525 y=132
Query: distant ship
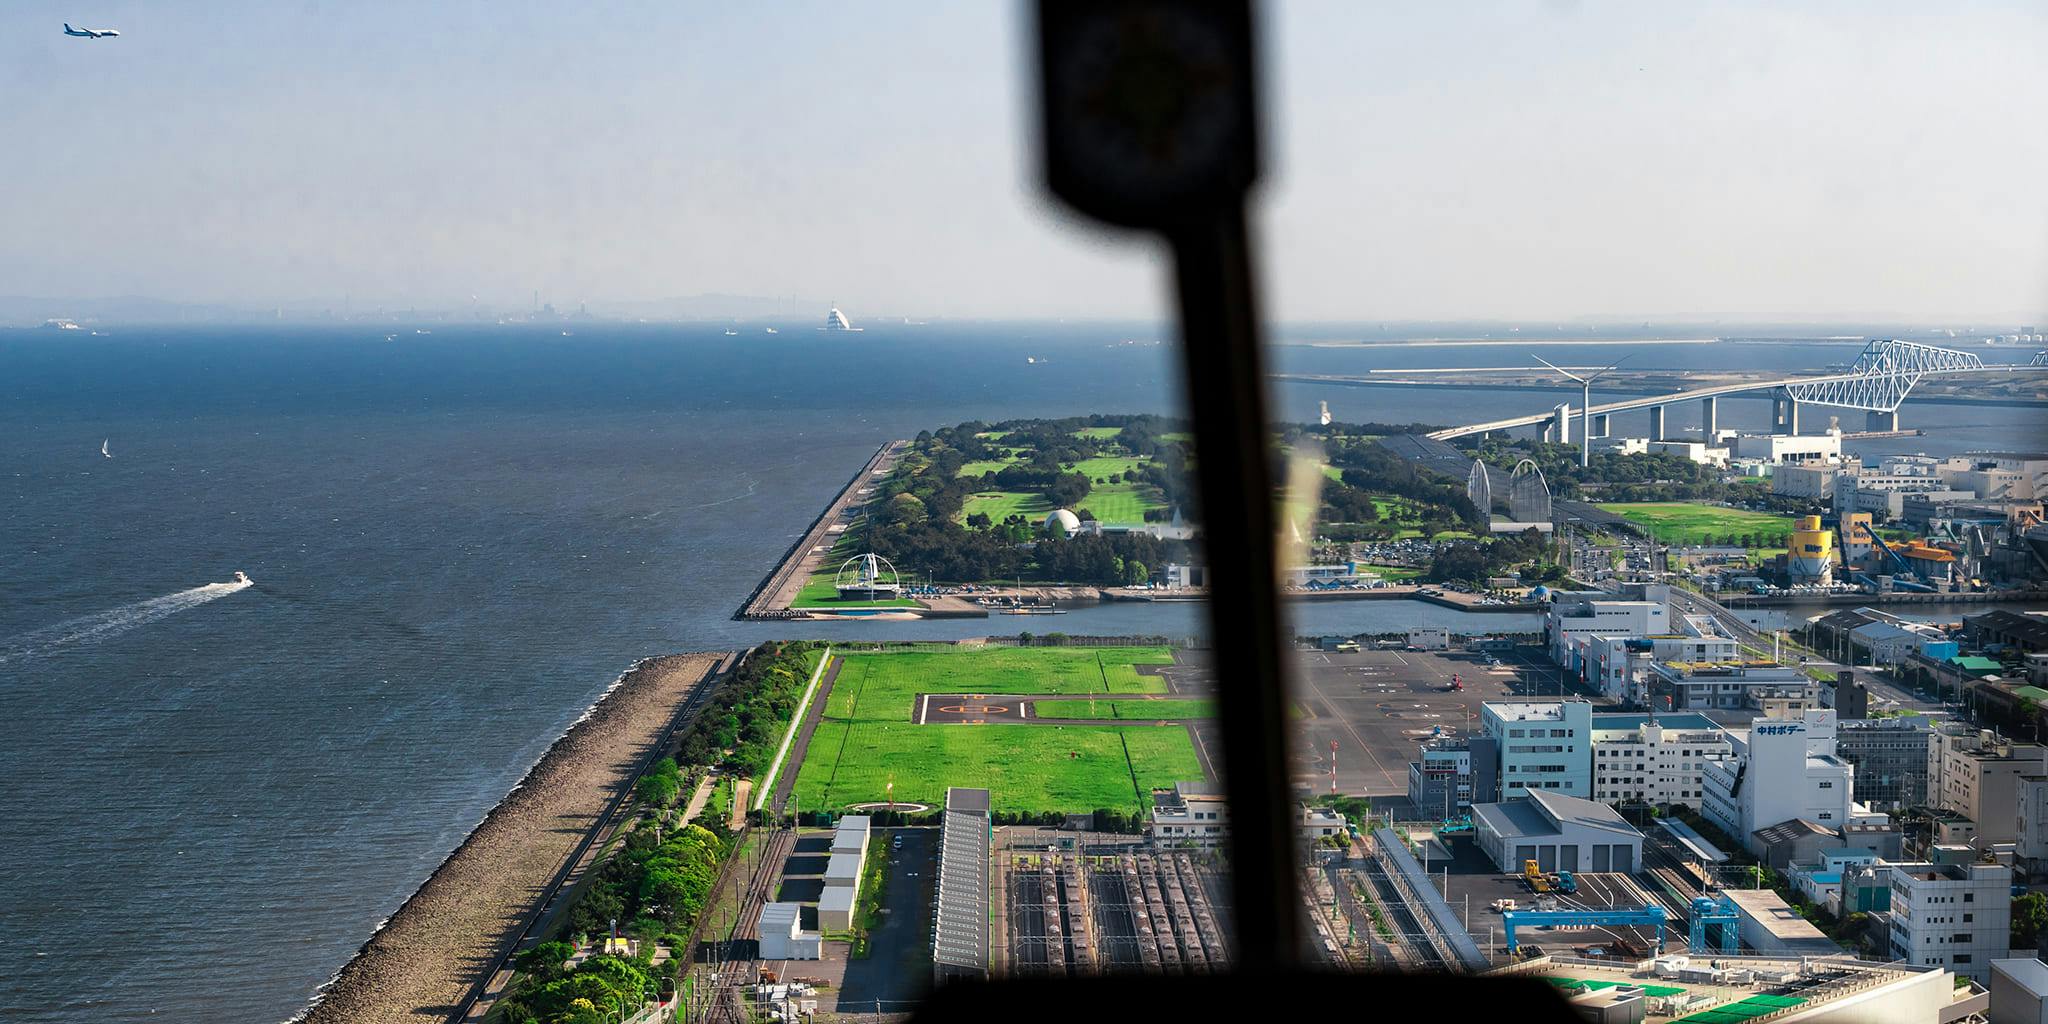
x=68 y=325
x=732 y=333
x=836 y=321
x=772 y=330
x=241 y=577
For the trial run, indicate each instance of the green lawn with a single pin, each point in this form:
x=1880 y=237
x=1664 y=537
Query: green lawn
x=821 y=590
x=1099 y=433
x=1394 y=573
x=869 y=739
x=1133 y=710
x=1001 y=505
x=1680 y=522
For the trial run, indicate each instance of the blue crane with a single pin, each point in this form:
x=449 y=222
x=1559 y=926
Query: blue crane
x=1651 y=917
x=1719 y=910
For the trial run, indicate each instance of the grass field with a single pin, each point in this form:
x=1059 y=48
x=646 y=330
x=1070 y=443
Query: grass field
x=1099 y=433
x=821 y=590
x=1121 y=503
x=1394 y=573
x=1679 y=522
x=1135 y=710
x=868 y=739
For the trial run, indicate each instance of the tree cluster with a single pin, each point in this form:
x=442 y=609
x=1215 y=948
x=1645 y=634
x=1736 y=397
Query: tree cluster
x=743 y=724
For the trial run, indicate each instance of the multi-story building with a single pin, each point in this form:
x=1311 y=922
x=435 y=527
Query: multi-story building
x=1619 y=666
x=1980 y=780
x=2031 y=823
x=1891 y=759
x=1453 y=774
x=2030 y=467
x=1570 y=623
x=1191 y=813
x=1788 y=448
x=1543 y=745
x=1779 y=769
x=1955 y=916
x=1654 y=759
x=1811 y=480
x=1729 y=685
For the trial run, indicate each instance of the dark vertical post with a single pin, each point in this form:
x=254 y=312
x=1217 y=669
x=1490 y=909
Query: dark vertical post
x=1150 y=121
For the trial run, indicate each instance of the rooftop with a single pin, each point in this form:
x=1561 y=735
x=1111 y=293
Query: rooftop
x=1527 y=710
x=1631 y=720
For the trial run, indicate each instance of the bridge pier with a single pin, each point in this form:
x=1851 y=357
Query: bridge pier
x=1561 y=424
x=1656 y=423
x=1882 y=421
x=1600 y=424
x=1710 y=417
x=1784 y=414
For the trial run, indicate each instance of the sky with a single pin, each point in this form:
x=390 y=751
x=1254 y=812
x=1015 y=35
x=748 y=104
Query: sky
x=1453 y=161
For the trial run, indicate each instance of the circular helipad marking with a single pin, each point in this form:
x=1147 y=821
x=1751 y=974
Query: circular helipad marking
x=975 y=709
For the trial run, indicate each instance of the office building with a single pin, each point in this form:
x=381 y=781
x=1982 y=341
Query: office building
x=1891 y=758
x=1544 y=745
x=1980 y=780
x=1955 y=916
x=1779 y=769
x=1730 y=685
x=1657 y=760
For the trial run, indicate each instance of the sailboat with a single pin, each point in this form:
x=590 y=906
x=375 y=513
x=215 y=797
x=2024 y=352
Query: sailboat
x=104 y=451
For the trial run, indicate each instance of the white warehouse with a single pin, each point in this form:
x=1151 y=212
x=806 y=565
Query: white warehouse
x=1559 y=833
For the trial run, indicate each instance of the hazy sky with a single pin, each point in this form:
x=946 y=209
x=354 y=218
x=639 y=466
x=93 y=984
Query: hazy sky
x=1426 y=160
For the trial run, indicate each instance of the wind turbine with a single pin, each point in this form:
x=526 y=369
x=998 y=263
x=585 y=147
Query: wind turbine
x=1585 y=403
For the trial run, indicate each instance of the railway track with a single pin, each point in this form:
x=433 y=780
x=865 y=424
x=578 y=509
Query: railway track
x=483 y=994
x=738 y=972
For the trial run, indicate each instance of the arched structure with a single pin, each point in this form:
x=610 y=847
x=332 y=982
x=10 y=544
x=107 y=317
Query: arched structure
x=1528 y=494
x=1479 y=487
x=868 y=577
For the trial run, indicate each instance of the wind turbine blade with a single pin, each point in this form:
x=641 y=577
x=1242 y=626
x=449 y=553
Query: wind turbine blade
x=1558 y=368
x=1610 y=368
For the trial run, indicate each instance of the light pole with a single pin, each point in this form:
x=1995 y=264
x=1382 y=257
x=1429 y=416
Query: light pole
x=1585 y=404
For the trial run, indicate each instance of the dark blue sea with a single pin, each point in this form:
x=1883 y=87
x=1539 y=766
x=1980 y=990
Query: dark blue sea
x=211 y=795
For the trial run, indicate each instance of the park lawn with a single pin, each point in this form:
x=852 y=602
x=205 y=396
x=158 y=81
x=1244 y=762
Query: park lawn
x=1099 y=433
x=1025 y=767
x=1681 y=522
x=1130 y=710
x=1394 y=572
x=822 y=590
x=868 y=737
x=1103 y=466
x=1001 y=505
x=1122 y=504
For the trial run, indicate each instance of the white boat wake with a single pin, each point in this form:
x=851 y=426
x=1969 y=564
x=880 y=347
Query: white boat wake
x=101 y=625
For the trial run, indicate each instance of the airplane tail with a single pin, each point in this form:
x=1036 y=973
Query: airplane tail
x=67 y=26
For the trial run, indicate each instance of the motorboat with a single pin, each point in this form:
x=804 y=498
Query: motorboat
x=241 y=577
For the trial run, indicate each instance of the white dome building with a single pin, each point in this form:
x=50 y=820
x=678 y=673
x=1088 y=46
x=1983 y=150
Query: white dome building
x=1063 y=523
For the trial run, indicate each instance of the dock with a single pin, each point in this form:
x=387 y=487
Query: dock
x=771 y=599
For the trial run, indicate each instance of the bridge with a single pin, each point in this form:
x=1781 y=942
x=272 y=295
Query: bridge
x=1882 y=376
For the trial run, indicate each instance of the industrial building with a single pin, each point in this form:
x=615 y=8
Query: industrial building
x=1770 y=925
x=960 y=921
x=783 y=936
x=1559 y=833
x=1653 y=759
x=842 y=874
x=1543 y=745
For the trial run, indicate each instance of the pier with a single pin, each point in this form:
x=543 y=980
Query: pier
x=772 y=598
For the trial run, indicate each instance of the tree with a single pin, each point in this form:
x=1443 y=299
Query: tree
x=2029 y=916
x=907 y=509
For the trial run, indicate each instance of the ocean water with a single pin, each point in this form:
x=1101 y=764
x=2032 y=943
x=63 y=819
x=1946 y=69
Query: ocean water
x=212 y=794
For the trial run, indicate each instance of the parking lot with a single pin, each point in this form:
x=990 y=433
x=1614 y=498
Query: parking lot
x=1378 y=706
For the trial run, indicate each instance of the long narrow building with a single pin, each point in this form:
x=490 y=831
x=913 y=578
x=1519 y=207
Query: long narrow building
x=960 y=925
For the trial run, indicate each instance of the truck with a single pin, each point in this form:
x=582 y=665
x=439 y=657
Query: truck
x=1538 y=881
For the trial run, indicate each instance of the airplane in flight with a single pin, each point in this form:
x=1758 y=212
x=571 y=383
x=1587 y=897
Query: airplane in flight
x=89 y=33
